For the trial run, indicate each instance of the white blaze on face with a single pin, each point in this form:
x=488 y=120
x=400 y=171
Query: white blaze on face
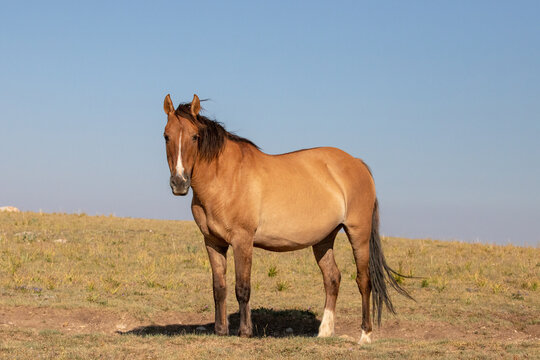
x=179 y=166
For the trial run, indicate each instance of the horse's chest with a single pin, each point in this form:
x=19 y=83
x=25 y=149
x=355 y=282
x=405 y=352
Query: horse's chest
x=205 y=221
x=215 y=224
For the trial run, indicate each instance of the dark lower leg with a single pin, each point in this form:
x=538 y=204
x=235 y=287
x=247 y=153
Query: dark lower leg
x=218 y=262
x=242 y=262
x=359 y=238
x=331 y=276
x=364 y=285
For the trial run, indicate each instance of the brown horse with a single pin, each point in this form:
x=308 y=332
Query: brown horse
x=244 y=198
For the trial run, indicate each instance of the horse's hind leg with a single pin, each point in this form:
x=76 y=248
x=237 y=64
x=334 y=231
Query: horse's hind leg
x=324 y=254
x=359 y=238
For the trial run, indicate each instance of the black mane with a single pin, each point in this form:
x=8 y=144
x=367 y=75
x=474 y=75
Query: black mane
x=212 y=134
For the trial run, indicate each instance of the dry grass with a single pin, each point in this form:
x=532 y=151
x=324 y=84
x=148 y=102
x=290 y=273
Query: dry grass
x=68 y=282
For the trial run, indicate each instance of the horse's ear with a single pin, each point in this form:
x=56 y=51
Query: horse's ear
x=195 y=106
x=168 y=106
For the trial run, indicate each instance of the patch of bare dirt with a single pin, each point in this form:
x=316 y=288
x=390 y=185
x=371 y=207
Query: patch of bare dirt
x=65 y=320
x=267 y=322
x=434 y=330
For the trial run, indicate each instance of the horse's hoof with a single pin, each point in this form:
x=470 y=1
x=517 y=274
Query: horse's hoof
x=365 y=338
x=245 y=333
x=221 y=330
x=325 y=333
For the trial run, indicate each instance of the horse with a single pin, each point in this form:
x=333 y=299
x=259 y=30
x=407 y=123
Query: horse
x=244 y=198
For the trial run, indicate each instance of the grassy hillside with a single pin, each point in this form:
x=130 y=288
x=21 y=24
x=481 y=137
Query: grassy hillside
x=75 y=286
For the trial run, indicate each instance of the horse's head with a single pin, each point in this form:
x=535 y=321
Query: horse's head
x=181 y=136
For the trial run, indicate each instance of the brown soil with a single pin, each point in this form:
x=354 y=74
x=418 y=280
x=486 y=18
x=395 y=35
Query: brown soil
x=266 y=323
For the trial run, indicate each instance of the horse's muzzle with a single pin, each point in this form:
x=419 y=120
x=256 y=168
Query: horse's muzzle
x=180 y=184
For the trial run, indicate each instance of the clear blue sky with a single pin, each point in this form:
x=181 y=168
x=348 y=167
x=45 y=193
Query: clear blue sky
x=441 y=99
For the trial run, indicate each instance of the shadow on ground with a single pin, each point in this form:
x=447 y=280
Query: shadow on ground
x=266 y=322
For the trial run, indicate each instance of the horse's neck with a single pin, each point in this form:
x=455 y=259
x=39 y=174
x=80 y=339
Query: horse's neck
x=211 y=179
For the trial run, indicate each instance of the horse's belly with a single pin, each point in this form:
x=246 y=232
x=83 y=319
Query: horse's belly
x=299 y=217
x=293 y=233
x=277 y=244
x=284 y=243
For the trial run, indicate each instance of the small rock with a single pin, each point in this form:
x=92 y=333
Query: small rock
x=24 y=233
x=9 y=209
x=121 y=326
x=60 y=241
x=289 y=330
x=200 y=328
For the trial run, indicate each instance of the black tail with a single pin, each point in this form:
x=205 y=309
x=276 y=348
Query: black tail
x=379 y=271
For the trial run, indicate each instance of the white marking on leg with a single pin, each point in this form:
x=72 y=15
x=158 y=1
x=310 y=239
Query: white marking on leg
x=179 y=166
x=365 y=338
x=327 y=324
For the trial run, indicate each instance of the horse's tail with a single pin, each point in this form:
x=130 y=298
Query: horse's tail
x=379 y=272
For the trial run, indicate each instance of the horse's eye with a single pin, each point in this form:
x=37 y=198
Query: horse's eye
x=195 y=137
x=166 y=138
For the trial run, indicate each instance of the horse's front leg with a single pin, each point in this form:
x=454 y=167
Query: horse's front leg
x=243 y=251
x=218 y=261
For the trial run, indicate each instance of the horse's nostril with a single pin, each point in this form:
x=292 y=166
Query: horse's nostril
x=176 y=181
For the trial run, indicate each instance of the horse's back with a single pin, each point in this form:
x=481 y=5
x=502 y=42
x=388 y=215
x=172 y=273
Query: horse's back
x=306 y=194
x=334 y=165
